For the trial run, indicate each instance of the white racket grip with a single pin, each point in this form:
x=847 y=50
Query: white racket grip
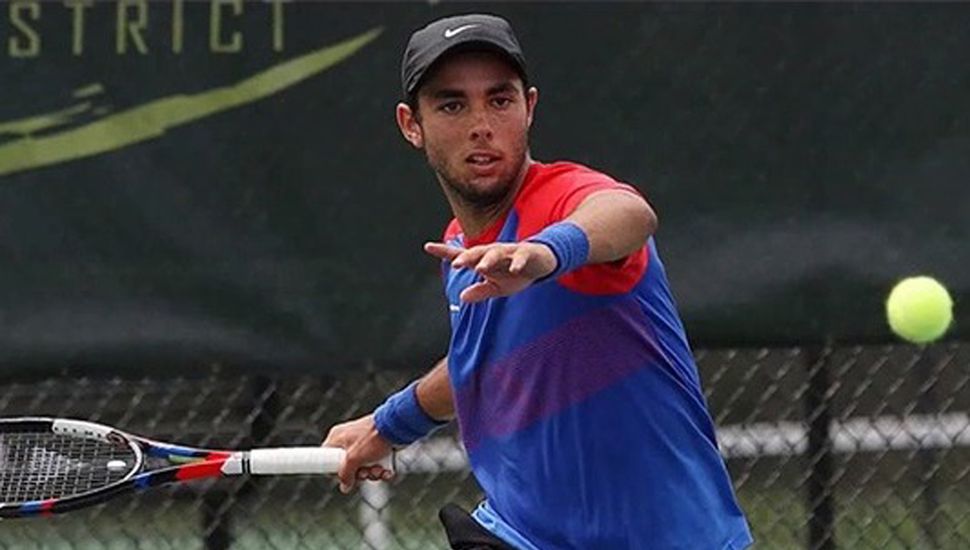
x=301 y=460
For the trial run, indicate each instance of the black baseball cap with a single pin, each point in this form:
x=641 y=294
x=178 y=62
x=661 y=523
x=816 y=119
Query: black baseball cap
x=462 y=32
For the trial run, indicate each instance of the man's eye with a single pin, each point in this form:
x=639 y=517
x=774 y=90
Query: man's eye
x=450 y=107
x=502 y=102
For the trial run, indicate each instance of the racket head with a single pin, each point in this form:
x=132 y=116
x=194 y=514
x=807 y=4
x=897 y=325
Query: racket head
x=47 y=460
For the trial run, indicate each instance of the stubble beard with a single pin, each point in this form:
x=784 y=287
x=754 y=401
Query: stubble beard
x=475 y=197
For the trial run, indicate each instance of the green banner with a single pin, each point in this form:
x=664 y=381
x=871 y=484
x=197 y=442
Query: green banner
x=223 y=181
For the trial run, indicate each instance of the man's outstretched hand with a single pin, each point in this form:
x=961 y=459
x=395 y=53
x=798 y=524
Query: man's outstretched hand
x=506 y=268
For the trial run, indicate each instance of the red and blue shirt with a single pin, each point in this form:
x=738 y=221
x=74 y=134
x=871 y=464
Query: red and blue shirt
x=578 y=399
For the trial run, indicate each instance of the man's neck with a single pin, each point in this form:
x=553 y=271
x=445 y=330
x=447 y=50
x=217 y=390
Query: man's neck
x=475 y=220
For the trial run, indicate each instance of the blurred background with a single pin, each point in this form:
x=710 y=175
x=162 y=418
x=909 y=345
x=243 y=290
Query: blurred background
x=211 y=233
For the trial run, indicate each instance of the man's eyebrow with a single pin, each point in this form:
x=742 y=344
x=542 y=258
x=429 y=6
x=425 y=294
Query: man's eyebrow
x=452 y=93
x=506 y=86
x=446 y=93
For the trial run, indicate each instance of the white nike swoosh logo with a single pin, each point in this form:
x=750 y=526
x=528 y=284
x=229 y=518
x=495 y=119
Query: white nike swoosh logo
x=453 y=307
x=449 y=33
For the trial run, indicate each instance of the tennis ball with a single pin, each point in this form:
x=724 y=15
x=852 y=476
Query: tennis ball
x=919 y=309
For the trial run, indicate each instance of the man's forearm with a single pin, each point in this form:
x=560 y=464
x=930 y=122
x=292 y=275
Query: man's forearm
x=434 y=393
x=617 y=223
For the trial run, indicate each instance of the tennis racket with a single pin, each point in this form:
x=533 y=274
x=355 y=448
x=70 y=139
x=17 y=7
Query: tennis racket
x=54 y=465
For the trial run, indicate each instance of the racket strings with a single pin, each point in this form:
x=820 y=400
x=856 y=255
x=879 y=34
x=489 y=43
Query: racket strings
x=39 y=466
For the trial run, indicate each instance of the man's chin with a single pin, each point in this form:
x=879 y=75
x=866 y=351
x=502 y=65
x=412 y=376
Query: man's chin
x=484 y=196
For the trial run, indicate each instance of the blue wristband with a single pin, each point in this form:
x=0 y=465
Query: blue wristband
x=401 y=420
x=568 y=243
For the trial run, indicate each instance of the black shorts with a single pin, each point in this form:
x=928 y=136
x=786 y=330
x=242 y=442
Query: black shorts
x=464 y=533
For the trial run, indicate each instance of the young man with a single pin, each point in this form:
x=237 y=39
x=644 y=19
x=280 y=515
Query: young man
x=576 y=394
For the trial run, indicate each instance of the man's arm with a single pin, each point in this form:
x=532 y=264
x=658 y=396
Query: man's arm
x=606 y=226
x=365 y=444
x=617 y=224
x=434 y=393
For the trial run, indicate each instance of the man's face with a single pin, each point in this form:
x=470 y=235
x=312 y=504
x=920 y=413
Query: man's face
x=473 y=123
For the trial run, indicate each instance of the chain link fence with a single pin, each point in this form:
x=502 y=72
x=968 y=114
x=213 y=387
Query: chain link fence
x=848 y=447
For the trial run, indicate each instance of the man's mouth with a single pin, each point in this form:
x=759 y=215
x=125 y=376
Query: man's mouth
x=482 y=159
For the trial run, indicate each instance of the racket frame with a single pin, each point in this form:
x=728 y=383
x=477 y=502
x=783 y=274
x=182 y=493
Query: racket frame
x=187 y=463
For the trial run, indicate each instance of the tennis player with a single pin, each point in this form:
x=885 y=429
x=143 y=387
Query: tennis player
x=569 y=371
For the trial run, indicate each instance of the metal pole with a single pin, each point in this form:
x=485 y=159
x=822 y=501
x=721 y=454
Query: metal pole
x=216 y=521
x=818 y=414
x=219 y=506
x=372 y=514
x=930 y=363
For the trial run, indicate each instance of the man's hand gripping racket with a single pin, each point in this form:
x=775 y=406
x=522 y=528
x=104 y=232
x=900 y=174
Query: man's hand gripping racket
x=53 y=465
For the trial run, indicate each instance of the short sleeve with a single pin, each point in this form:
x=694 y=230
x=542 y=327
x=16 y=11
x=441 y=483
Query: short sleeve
x=553 y=201
x=579 y=192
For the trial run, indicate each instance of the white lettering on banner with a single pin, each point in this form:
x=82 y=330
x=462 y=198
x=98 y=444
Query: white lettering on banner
x=140 y=27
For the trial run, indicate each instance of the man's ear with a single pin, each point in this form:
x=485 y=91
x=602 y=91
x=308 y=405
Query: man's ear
x=407 y=121
x=531 y=99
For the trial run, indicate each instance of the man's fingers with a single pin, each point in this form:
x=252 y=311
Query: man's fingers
x=479 y=291
x=519 y=260
x=346 y=475
x=373 y=472
x=491 y=259
x=443 y=251
x=333 y=439
x=364 y=449
x=350 y=475
x=459 y=257
x=469 y=257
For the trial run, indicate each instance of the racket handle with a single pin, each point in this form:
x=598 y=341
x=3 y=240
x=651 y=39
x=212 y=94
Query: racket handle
x=301 y=460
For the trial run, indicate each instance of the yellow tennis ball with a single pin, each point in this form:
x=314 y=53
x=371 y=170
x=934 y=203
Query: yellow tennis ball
x=919 y=309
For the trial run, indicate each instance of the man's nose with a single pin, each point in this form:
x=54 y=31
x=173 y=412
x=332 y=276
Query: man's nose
x=481 y=127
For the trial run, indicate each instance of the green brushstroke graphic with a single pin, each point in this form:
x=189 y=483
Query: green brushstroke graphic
x=153 y=119
x=27 y=126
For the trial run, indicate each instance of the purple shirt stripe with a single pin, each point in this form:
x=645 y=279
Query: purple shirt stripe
x=559 y=369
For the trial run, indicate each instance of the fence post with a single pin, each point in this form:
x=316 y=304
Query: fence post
x=932 y=360
x=219 y=505
x=818 y=415
x=372 y=514
x=216 y=521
